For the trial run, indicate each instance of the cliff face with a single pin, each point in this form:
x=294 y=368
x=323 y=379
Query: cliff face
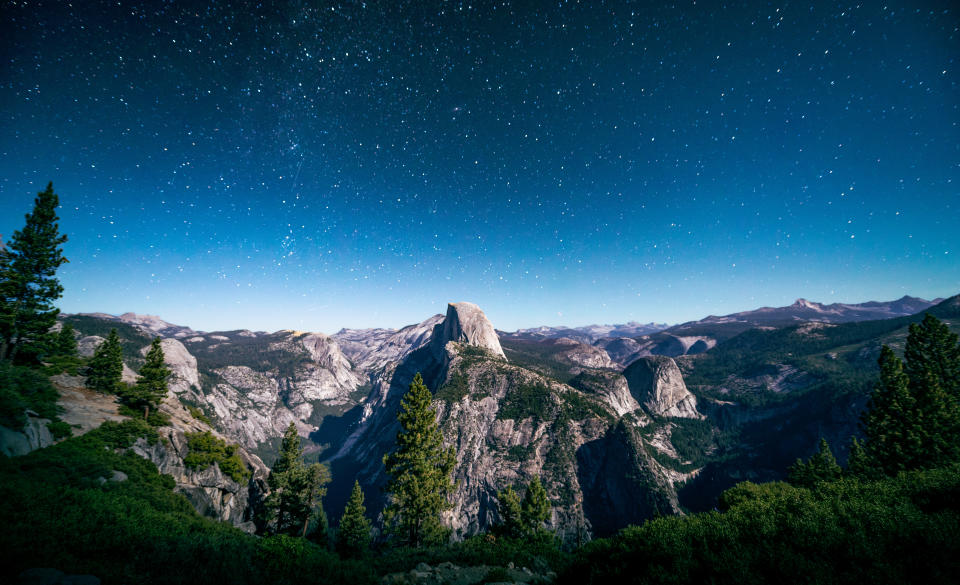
x=657 y=384
x=211 y=492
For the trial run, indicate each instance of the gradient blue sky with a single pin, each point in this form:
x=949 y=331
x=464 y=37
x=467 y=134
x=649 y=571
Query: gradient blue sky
x=319 y=165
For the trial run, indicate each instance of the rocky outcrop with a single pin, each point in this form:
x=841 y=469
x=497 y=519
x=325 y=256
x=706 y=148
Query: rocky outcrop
x=34 y=435
x=611 y=387
x=581 y=354
x=89 y=344
x=210 y=491
x=656 y=383
x=465 y=323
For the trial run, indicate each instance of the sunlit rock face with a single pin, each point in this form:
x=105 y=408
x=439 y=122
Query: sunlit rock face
x=657 y=384
x=465 y=323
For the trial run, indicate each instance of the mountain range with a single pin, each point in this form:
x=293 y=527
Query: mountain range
x=621 y=423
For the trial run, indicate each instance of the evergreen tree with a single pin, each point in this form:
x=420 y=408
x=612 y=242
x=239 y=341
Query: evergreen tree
x=28 y=283
x=932 y=348
x=151 y=387
x=535 y=510
x=353 y=534
x=859 y=463
x=106 y=366
x=892 y=430
x=296 y=489
x=511 y=518
x=420 y=472
x=822 y=466
x=66 y=343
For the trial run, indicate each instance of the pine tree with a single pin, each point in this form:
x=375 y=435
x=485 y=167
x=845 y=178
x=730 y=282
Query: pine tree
x=420 y=472
x=535 y=510
x=932 y=348
x=66 y=343
x=296 y=489
x=822 y=466
x=106 y=366
x=891 y=427
x=353 y=534
x=511 y=519
x=859 y=463
x=151 y=387
x=28 y=283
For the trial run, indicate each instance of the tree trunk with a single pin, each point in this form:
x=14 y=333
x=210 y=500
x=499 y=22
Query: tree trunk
x=146 y=412
x=306 y=523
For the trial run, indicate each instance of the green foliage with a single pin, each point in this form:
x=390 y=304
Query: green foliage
x=23 y=388
x=933 y=350
x=914 y=422
x=106 y=366
x=62 y=355
x=539 y=357
x=535 y=509
x=28 y=283
x=204 y=449
x=155 y=418
x=822 y=466
x=120 y=435
x=198 y=414
x=151 y=386
x=455 y=388
x=902 y=530
x=60 y=509
x=131 y=338
x=60 y=429
x=527 y=400
x=66 y=341
x=419 y=472
x=353 y=533
x=296 y=489
x=576 y=406
x=511 y=514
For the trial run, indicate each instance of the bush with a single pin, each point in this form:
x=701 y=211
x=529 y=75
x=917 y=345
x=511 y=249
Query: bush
x=893 y=531
x=60 y=429
x=61 y=510
x=205 y=450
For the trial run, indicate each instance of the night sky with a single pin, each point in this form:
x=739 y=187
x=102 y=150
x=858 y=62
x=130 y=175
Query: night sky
x=318 y=165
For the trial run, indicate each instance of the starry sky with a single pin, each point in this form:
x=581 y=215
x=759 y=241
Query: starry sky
x=317 y=165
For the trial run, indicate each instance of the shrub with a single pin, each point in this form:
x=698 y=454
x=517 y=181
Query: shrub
x=205 y=450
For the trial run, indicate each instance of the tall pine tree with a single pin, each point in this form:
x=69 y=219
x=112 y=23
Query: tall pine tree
x=353 y=534
x=151 y=387
x=296 y=489
x=933 y=349
x=420 y=472
x=913 y=418
x=535 y=509
x=28 y=283
x=511 y=514
x=106 y=366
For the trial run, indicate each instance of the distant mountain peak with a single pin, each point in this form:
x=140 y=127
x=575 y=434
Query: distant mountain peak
x=805 y=304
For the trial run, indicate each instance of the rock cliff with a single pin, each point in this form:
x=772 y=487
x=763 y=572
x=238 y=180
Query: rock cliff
x=657 y=384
